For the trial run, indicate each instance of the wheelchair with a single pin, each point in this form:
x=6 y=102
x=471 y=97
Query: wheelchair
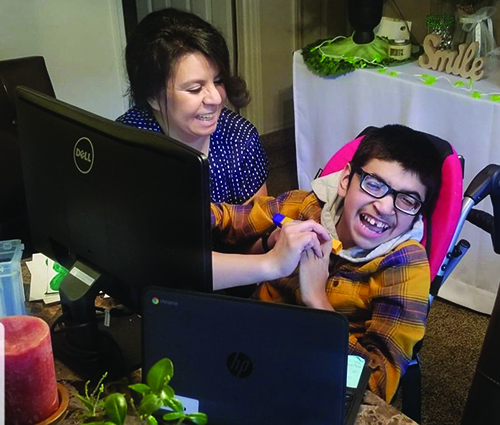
x=445 y=250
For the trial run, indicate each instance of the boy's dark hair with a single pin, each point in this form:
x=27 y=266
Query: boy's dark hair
x=414 y=150
x=164 y=37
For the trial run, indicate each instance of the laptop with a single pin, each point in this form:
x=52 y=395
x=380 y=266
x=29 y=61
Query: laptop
x=245 y=362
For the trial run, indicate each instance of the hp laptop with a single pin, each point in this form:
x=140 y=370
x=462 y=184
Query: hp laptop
x=249 y=362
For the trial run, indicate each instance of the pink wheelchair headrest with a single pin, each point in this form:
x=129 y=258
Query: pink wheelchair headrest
x=439 y=232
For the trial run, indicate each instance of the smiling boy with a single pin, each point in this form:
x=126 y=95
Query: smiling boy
x=380 y=280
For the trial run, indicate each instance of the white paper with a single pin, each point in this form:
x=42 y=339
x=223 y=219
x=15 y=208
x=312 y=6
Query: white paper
x=43 y=271
x=191 y=405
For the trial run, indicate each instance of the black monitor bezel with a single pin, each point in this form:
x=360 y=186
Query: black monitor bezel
x=128 y=136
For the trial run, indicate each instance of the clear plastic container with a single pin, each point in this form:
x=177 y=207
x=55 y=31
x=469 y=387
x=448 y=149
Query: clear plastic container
x=11 y=281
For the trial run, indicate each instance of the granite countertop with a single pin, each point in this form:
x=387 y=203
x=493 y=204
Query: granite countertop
x=373 y=411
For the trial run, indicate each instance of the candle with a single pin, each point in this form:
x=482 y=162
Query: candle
x=30 y=378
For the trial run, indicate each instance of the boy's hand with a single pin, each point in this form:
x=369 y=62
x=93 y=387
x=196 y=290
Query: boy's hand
x=273 y=238
x=293 y=239
x=313 y=275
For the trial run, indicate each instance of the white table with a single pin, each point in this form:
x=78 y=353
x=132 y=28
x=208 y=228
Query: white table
x=330 y=111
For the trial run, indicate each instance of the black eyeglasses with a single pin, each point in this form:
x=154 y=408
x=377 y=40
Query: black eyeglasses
x=375 y=187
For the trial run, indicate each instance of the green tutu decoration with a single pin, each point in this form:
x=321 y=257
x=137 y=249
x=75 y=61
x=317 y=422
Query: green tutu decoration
x=342 y=55
x=362 y=50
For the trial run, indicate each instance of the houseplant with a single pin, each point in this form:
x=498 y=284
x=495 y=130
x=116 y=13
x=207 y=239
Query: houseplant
x=156 y=393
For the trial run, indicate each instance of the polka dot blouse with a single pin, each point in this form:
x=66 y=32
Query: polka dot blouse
x=237 y=160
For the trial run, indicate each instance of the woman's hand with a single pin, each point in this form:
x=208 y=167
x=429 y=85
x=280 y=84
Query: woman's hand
x=240 y=269
x=292 y=240
x=313 y=275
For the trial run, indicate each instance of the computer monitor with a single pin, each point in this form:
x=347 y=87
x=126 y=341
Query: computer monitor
x=121 y=208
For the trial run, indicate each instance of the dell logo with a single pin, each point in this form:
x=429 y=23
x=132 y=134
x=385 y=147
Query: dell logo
x=83 y=155
x=239 y=365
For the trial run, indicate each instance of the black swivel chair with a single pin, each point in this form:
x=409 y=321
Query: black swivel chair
x=30 y=72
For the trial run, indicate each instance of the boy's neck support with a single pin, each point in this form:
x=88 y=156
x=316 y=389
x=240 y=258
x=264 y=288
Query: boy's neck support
x=279 y=220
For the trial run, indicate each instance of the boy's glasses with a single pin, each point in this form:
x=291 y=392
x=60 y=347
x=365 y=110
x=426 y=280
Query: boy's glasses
x=375 y=187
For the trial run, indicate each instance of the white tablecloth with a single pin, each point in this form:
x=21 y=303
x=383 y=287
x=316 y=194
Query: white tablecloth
x=331 y=111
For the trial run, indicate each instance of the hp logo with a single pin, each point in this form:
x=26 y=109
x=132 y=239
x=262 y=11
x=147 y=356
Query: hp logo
x=239 y=365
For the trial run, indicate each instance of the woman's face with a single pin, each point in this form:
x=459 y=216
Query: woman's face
x=195 y=97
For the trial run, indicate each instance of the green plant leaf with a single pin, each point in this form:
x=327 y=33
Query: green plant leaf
x=116 y=408
x=459 y=84
x=495 y=97
x=175 y=404
x=88 y=405
x=168 y=392
x=152 y=420
x=109 y=423
x=198 y=418
x=172 y=416
x=140 y=388
x=393 y=74
x=476 y=95
x=99 y=387
x=159 y=375
x=150 y=403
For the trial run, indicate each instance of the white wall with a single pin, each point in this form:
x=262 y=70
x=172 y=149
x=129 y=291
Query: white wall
x=285 y=26
x=82 y=42
x=277 y=44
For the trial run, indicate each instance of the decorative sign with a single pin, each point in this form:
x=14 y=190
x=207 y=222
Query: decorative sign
x=463 y=62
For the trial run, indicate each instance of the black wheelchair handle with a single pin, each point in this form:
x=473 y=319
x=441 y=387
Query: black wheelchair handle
x=483 y=220
x=485 y=183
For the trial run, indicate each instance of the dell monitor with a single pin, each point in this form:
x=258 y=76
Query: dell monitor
x=121 y=208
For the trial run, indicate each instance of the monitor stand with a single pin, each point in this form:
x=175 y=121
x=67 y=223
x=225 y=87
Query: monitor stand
x=90 y=347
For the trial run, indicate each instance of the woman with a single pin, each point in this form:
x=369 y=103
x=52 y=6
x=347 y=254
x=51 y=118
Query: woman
x=179 y=76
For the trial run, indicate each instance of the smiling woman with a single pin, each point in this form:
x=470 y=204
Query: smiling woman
x=195 y=96
x=179 y=80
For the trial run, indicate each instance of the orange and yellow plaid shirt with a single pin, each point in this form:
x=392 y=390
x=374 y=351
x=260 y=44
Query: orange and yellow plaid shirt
x=385 y=299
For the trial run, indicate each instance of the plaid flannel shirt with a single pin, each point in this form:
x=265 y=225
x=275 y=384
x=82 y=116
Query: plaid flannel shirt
x=385 y=299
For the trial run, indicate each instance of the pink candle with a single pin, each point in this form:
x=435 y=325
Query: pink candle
x=30 y=377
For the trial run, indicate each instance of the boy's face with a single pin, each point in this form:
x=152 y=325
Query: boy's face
x=368 y=222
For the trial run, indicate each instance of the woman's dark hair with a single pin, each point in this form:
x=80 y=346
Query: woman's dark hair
x=414 y=150
x=164 y=37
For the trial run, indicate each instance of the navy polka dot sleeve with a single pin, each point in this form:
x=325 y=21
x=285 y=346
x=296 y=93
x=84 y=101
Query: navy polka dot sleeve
x=237 y=160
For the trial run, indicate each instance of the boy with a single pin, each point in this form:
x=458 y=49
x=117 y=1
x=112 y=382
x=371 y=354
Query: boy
x=380 y=280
